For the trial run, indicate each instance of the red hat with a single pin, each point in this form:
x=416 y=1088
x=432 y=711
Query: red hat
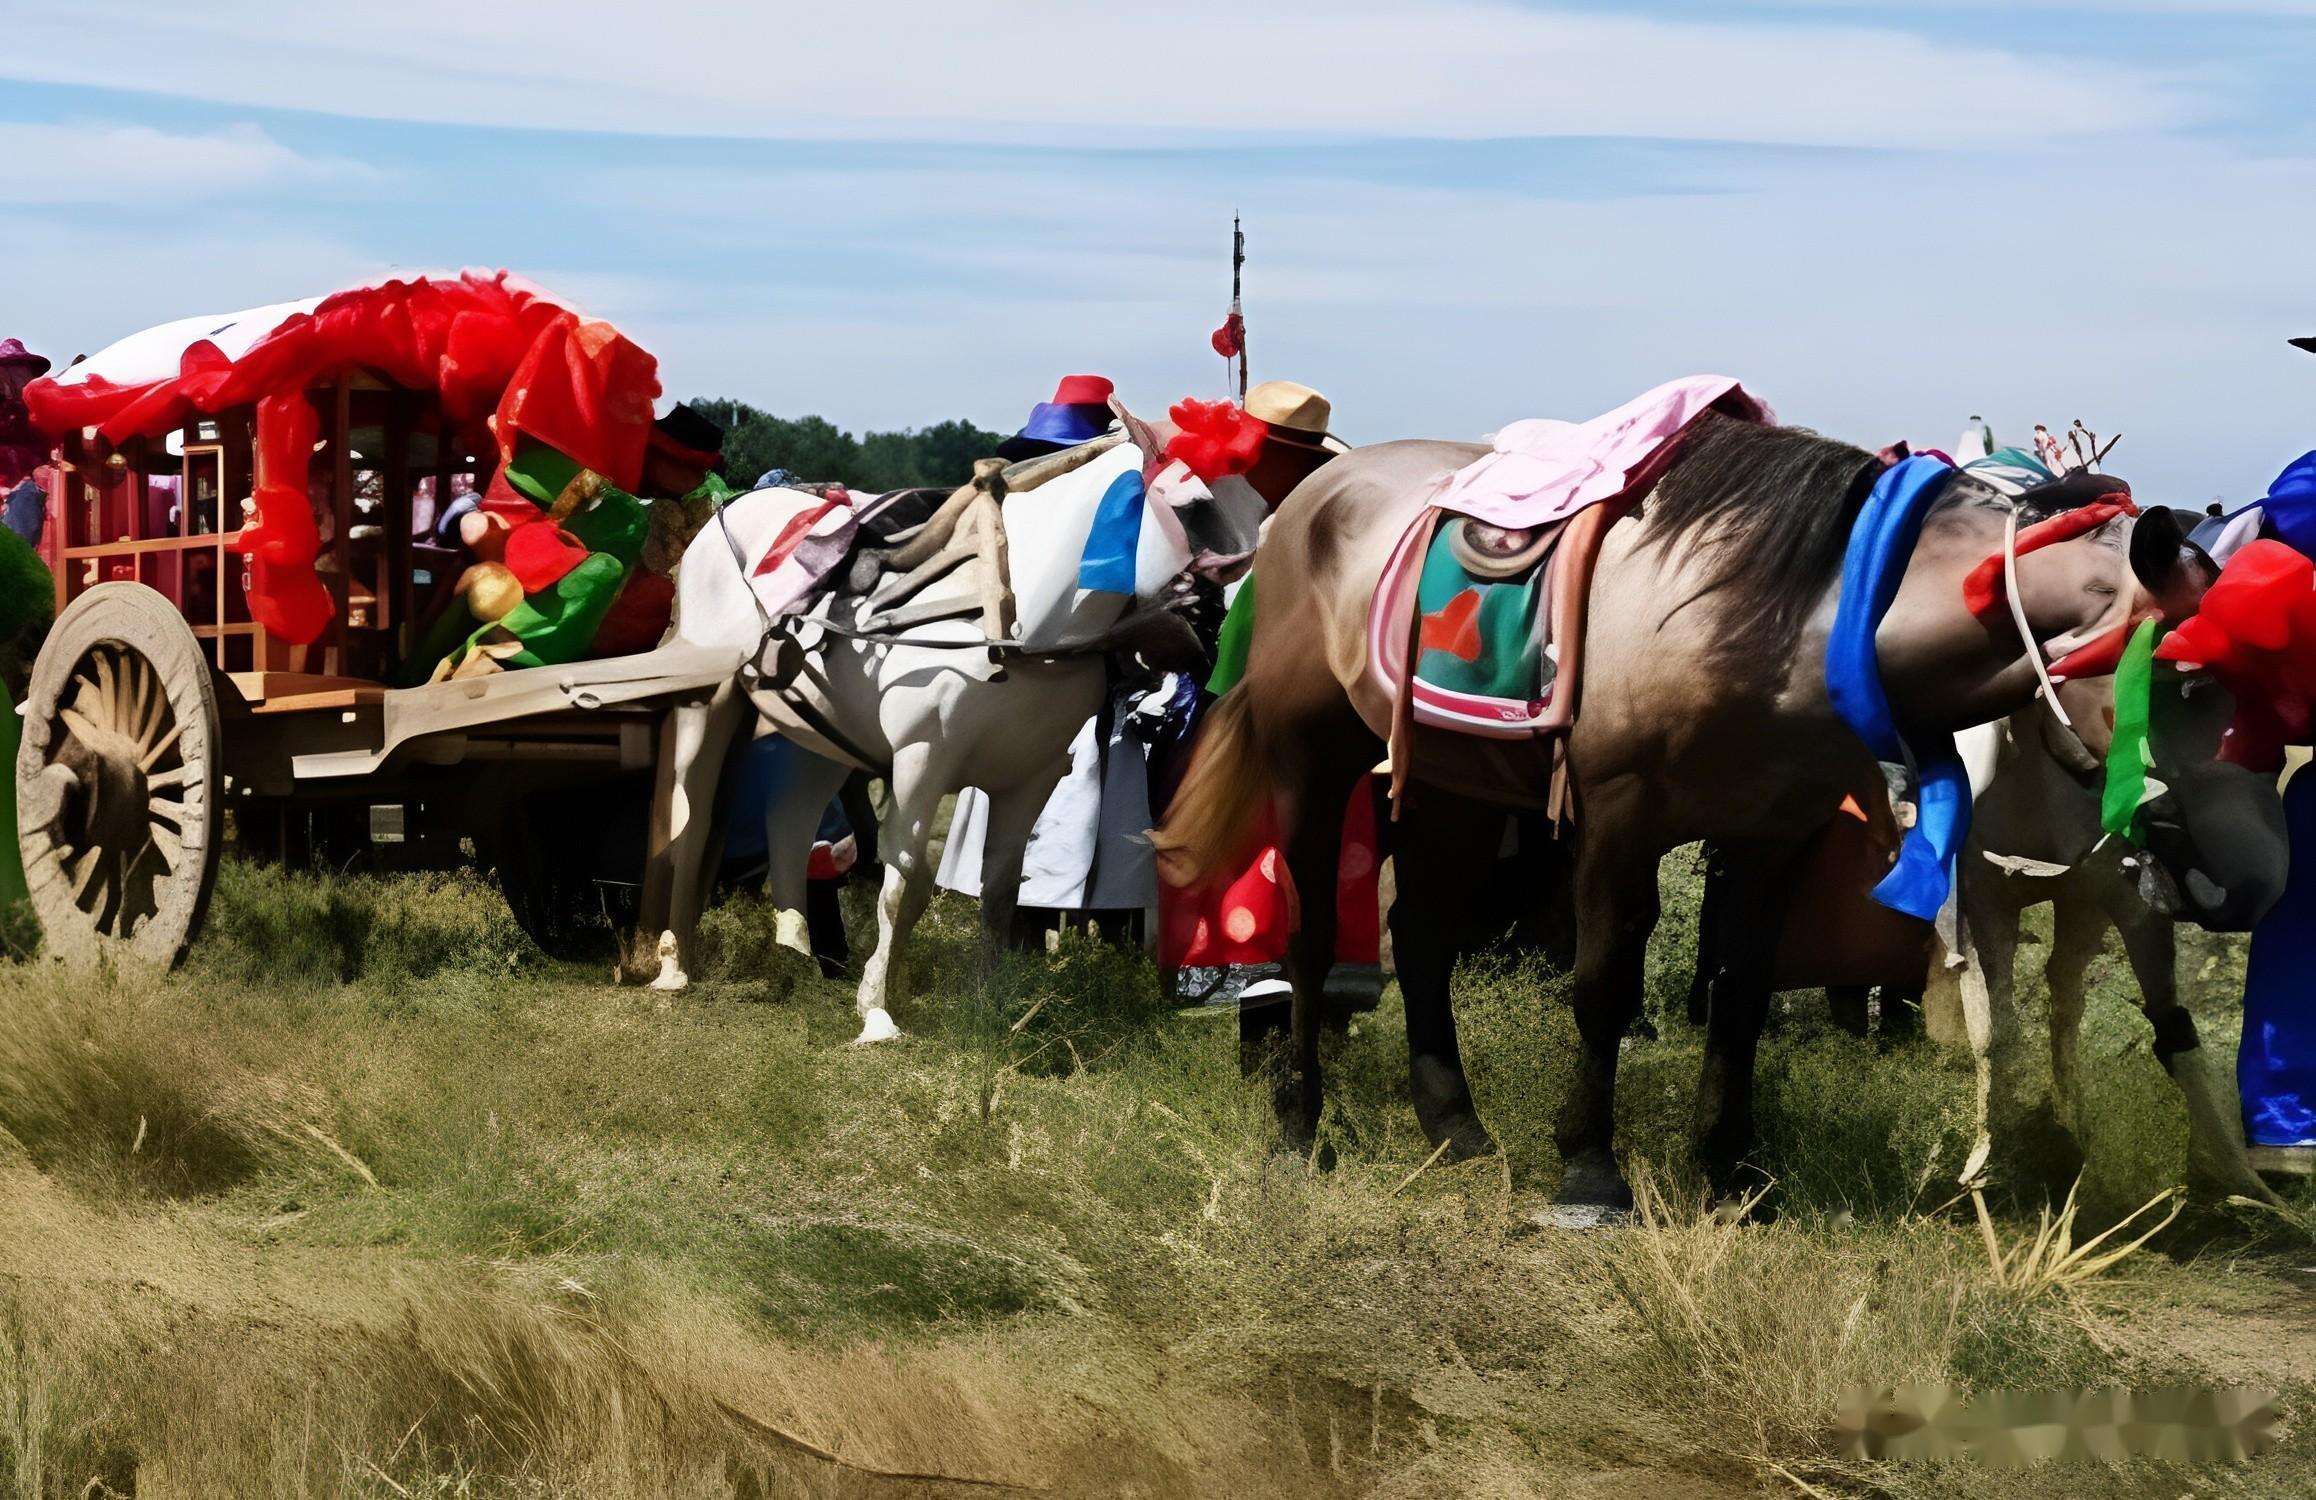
x=1083 y=390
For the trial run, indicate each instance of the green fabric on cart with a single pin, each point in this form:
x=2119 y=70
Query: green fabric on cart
x=1235 y=640
x=615 y=524
x=557 y=624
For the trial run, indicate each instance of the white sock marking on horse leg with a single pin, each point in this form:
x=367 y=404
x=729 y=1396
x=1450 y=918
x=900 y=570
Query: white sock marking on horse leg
x=789 y=931
x=671 y=976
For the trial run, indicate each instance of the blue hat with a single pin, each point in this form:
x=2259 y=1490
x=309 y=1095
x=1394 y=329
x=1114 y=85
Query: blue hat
x=1078 y=413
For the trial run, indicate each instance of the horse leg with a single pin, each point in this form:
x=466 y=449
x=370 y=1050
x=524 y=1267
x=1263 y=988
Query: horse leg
x=824 y=924
x=1709 y=905
x=2078 y=932
x=1989 y=947
x=1845 y=1004
x=694 y=743
x=1616 y=909
x=1431 y=859
x=1312 y=809
x=791 y=824
x=1901 y=1014
x=1753 y=913
x=908 y=885
x=2215 y=1122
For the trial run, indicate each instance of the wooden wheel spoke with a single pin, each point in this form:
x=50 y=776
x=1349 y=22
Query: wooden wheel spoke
x=110 y=685
x=83 y=728
x=168 y=846
x=119 y=819
x=152 y=702
x=160 y=748
x=84 y=873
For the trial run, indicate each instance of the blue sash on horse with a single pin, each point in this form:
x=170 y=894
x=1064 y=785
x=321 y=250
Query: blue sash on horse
x=1881 y=543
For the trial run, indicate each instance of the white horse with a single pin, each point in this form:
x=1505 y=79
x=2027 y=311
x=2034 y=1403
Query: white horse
x=928 y=710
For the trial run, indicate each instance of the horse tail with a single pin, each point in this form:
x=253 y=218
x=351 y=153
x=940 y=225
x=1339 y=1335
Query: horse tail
x=1225 y=790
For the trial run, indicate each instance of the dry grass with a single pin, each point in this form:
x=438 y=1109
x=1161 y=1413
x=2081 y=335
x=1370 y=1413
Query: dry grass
x=375 y=1201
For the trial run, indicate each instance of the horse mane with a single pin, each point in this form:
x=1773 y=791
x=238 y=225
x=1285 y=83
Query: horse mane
x=1774 y=506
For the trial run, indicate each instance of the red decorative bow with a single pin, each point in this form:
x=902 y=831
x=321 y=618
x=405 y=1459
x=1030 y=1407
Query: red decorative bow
x=1230 y=339
x=1216 y=438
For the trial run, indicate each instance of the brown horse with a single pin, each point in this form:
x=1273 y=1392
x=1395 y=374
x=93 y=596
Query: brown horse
x=1705 y=714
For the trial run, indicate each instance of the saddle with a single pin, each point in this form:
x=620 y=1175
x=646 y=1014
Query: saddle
x=1479 y=629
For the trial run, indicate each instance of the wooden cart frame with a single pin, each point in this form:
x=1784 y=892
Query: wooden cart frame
x=158 y=704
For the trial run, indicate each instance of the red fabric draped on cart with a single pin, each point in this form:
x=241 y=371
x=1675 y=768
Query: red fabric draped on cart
x=490 y=346
x=1247 y=919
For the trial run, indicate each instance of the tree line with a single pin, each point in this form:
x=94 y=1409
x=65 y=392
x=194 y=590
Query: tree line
x=814 y=449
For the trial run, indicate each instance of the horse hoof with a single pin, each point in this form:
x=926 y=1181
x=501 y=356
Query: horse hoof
x=1466 y=1138
x=1592 y=1193
x=789 y=931
x=670 y=977
x=1580 y=1216
x=876 y=1026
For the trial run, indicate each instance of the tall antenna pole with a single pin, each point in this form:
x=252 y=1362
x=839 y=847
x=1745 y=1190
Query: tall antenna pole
x=1237 y=310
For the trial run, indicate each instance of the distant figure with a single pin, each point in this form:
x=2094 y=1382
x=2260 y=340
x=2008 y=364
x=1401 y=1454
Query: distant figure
x=1976 y=442
x=21 y=448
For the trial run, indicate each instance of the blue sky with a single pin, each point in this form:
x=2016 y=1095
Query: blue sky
x=1882 y=217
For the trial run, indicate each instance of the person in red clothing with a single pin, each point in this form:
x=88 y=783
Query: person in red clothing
x=1226 y=941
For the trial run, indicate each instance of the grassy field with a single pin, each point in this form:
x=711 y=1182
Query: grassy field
x=374 y=1200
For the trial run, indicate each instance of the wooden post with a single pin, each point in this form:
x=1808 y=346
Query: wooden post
x=335 y=656
x=396 y=593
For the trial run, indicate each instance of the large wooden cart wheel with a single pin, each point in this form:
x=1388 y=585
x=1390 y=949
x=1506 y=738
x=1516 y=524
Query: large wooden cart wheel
x=117 y=780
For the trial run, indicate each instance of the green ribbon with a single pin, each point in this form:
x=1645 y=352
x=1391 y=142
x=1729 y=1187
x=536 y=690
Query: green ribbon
x=1236 y=639
x=2128 y=757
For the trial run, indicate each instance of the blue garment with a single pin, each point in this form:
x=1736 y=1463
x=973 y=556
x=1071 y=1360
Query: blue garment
x=2276 y=1062
x=763 y=774
x=25 y=511
x=1881 y=543
x=2291 y=504
x=1108 y=563
x=462 y=505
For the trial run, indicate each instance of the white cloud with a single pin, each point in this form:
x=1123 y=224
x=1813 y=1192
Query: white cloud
x=1063 y=71
x=80 y=163
x=2151 y=297
x=76 y=288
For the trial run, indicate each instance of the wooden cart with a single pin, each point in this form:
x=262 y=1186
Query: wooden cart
x=159 y=710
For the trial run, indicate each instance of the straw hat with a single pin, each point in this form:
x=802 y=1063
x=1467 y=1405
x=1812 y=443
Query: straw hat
x=1295 y=413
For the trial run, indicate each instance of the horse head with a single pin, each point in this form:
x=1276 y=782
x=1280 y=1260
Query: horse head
x=2214 y=829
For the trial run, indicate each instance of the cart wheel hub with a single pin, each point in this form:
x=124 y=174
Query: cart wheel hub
x=108 y=804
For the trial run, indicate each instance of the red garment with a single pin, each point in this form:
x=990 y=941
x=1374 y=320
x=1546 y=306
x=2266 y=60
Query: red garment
x=2256 y=632
x=638 y=617
x=540 y=552
x=1247 y=919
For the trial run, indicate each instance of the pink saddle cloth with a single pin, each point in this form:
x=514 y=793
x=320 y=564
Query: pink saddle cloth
x=1543 y=470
